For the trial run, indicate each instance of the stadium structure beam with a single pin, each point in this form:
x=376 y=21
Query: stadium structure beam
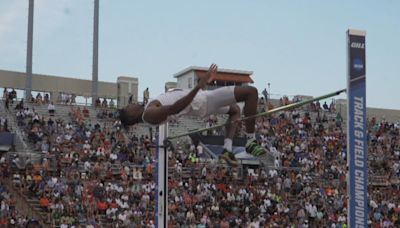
x=95 y=65
x=29 y=51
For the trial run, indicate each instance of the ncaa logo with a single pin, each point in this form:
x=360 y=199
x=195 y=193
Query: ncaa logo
x=357 y=45
x=358 y=64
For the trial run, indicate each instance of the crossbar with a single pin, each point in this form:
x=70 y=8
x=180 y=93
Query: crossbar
x=267 y=113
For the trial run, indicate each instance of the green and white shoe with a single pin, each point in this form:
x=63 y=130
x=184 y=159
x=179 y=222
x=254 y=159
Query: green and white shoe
x=255 y=149
x=229 y=157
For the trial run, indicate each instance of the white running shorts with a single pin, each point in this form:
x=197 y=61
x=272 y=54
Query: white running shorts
x=215 y=101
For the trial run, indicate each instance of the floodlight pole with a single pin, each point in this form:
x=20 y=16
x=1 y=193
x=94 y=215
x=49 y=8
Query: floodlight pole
x=29 y=50
x=95 y=65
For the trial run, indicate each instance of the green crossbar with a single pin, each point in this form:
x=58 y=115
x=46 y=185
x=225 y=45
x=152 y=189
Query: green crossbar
x=267 y=113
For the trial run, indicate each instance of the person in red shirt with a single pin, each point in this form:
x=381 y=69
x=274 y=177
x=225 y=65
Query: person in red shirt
x=44 y=202
x=102 y=207
x=113 y=204
x=85 y=112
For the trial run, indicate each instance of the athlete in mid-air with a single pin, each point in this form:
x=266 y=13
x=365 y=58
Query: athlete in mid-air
x=197 y=102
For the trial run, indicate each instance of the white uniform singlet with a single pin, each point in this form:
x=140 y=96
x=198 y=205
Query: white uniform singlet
x=196 y=107
x=204 y=103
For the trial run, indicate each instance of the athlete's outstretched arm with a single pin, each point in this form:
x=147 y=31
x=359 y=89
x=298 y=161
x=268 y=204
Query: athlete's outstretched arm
x=156 y=113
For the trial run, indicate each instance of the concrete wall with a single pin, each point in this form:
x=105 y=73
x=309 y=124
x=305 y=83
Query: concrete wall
x=127 y=86
x=56 y=84
x=390 y=115
x=182 y=82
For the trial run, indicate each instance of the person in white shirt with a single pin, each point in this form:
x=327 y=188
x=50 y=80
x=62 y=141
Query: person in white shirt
x=87 y=165
x=113 y=157
x=20 y=114
x=190 y=216
x=51 y=108
x=342 y=218
x=124 y=205
x=86 y=146
x=28 y=112
x=204 y=172
x=112 y=103
x=36 y=117
x=68 y=126
x=122 y=217
x=67 y=137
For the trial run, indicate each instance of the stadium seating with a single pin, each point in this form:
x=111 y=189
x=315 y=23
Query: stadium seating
x=302 y=183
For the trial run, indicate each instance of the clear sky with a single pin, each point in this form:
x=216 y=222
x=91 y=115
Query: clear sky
x=298 y=46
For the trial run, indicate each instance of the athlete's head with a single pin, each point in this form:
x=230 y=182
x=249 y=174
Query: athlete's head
x=131 y=114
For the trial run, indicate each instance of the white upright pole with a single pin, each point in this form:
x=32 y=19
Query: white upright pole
x=162 y=178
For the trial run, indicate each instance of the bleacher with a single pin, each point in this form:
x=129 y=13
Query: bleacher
x=62 y=111
x=190 y=172
x=185 y=124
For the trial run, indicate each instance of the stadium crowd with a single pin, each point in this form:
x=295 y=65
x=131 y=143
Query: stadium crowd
x=9 y=215
x=99 y=167
x=94 y=174
x=309 y=188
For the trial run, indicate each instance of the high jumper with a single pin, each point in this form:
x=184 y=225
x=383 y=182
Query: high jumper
x=201 y=103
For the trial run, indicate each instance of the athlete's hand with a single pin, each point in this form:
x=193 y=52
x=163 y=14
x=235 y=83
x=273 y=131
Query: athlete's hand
x=208 y=77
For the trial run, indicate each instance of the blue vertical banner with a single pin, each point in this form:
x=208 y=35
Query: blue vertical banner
x=357 y=159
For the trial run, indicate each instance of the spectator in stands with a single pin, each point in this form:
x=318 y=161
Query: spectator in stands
x=46 y=98
x=325 y=106
x=20 y=118
x=112 y=104
x=146 y=96
x=44 y=202
x=3 y=124
x=20 y=105
x=317 y=106
x=73 y=99
x=5 y=93
x=130 y=99
x=7 y=104
x=261 y=105
x=85 y=112
x=332 y=107
x=13 y=95
x=265 y=94
x=31 y=99
x=104 y=103
x=64 y=98
x=39 y=99
x=286 y=100
x=51 y=108
x=97 y=102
